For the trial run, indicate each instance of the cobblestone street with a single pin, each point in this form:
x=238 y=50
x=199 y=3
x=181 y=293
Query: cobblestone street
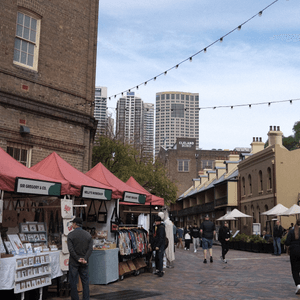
x=247 y=275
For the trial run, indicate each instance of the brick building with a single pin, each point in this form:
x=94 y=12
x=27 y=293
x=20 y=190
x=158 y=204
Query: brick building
x=47 y=79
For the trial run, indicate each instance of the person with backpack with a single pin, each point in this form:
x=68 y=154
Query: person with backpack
x=158 y=245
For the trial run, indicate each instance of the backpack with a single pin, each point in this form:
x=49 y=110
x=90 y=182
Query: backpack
x=166 y=243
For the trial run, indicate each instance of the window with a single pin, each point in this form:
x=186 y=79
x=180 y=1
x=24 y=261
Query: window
x=244 y=186
x=260 y=181
x=207 y=164
x=27 y=40
x=21 y=153
x=183 y=165
x=269 y=179
x=250 y=184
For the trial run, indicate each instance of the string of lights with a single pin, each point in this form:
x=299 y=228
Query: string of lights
x=225 y=106
x=190 y=58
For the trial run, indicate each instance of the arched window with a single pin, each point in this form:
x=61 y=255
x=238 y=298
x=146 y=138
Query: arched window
x=252 y=213
x=269 y=179
x=243 y=186
x=260 y=181
x=250 y=184
x=258 y=216
x=245 y=211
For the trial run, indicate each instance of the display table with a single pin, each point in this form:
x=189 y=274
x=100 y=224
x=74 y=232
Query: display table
x=104 y=266
x=8 y=269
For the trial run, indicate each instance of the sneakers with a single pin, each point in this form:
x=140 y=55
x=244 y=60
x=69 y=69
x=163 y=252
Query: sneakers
x=195 y=250
x=160 y=274
x=211 y=259
x=205 y=261
x=221 y=257
x=298 y=289
x=184 y=248
x=225 y=261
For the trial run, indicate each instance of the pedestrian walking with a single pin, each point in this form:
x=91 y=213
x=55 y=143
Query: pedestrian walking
x=293 y=241
x=80 y=244
x=187 y=238
x=224 y=236
x=158 y=245
x=180 y=237
x=195 y=232
x=207 y=231
x=277 y=235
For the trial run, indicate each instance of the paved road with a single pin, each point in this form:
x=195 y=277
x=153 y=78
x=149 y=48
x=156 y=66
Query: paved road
x=247 y=275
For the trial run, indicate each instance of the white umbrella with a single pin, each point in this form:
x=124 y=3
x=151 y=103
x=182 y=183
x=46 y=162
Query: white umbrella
x=275 y=211
x=237 y=214
x=293 y=210
x=225 y=217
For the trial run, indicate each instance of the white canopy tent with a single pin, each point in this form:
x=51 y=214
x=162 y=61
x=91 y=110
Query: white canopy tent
x=293 y=210
x=237 y=214
x=275 y=211
x=225 y=218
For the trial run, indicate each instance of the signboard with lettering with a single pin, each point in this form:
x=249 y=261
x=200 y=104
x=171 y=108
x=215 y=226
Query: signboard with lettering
x=134 y=198
x=37 y=187
x=95 y=193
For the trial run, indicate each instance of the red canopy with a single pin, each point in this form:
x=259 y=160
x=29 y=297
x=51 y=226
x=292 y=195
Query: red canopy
x=154 y=200
x=53 y=165
x=10 y=169
x=103 y=175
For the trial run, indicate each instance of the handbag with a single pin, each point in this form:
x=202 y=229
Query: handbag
x=10 y=216
x=102 y=215
x=25 y=214
x=92 y=217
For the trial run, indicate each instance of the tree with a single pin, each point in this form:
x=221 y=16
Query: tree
x=292 y=142
x=125 y=161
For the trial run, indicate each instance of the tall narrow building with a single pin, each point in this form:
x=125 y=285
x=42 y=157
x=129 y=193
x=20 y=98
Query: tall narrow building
x=100 y=109
x=177 y=116
x=148 y=130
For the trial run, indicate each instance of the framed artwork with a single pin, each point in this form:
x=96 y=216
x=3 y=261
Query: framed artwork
x=35 y=271
x=43 y=280
x=19 y=274
x=25 y=262
x=33 y=283
x=28 y=247
x=24 y=228
x=29 y=272
x=47 y=258
x=22 y=237
x=37 y=260
x=23 y=285
x=2 y=248
x=48 y=280
x=15 y=241
x=42 y=237
x=9 y=247
x=18 y=286
x=41 y=227
x=32 y=227
x=19 y=263
x=30 y=261
x=36 y=237
x=41 y=270
x=38 y=281
x=28 y=284
x=30 y=237
x=42 y=259
x=24 y=273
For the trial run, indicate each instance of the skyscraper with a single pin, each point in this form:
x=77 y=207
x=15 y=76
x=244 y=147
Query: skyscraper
x=177 y=115
x=100 y=113
x=148 y=129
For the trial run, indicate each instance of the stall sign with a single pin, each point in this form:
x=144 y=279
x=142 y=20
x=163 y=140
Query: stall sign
x=37 y=187
x=134 y=198
x=95 y=193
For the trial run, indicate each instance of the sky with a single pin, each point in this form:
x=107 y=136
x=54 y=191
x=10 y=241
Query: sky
x=138 y=40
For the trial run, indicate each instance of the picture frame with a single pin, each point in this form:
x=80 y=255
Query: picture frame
x=30 y=237
x=36 y=237
x=24 y=228
x=24 y=273
x=42 y=259
x=43 y=281
x=9 y=247
x=42 y=237
x=23 y=285
x=30 y=261
x=38 y=281
x=29 y=272
x=47 y=258
x=37 y=260
x=28 y=247
x=28 y=284
x=33 y=283
x=15 y=242
x=22 y=237
x=18 y=286
x=32 y=228
x=41 y=227
x=19 y=274
x=41 y=270
x=19 y=263
x=25 y=262
x=35 y=271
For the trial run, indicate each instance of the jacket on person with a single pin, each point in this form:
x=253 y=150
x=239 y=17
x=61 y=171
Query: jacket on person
x=224 y=233
x=208 y=228
x=160 y=237
x=278 y=231
x=195 y=232
x=293 y=243
x=80 y=244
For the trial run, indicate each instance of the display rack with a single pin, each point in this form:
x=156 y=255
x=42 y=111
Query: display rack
x=32 y=272
x=34 y=232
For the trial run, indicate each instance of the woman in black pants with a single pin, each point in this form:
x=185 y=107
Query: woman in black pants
x=224 y=236
x=293 y=242
x=187 y=238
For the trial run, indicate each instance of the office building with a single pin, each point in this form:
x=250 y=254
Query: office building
x=100 y=110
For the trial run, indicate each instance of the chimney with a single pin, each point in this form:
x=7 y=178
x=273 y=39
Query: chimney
x=257 y=145
x=233 y=156
x=203 y=179
x=220 y=168
x=196 y=182
x=275 y=136
x=211 y=175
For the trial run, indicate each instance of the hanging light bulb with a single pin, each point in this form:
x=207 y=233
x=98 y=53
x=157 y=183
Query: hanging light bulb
x=129 y=90
x=205 y=50
x=137 y=87
x=260 y=13
x=291 y=102
x=221 y=40
x=231 y=107
x=115 y=96
x=191 y=59
x=154 y=78
x=108 y=98
x=122 y=93
x=145 y=83
x=240 y=27
x=166 y=72
x=269 y=104
x=249 y=105
x=176 y=66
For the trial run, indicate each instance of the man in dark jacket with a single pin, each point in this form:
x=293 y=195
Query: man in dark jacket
x=80 y=244
x=207 y=230
x=277 y=235
x=158 y=245
x=224 y=236
x=195 y=232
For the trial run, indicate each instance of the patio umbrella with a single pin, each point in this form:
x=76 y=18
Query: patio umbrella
x=237 y=214
x=275 y=211
x=293 y=210
x=225 y=217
